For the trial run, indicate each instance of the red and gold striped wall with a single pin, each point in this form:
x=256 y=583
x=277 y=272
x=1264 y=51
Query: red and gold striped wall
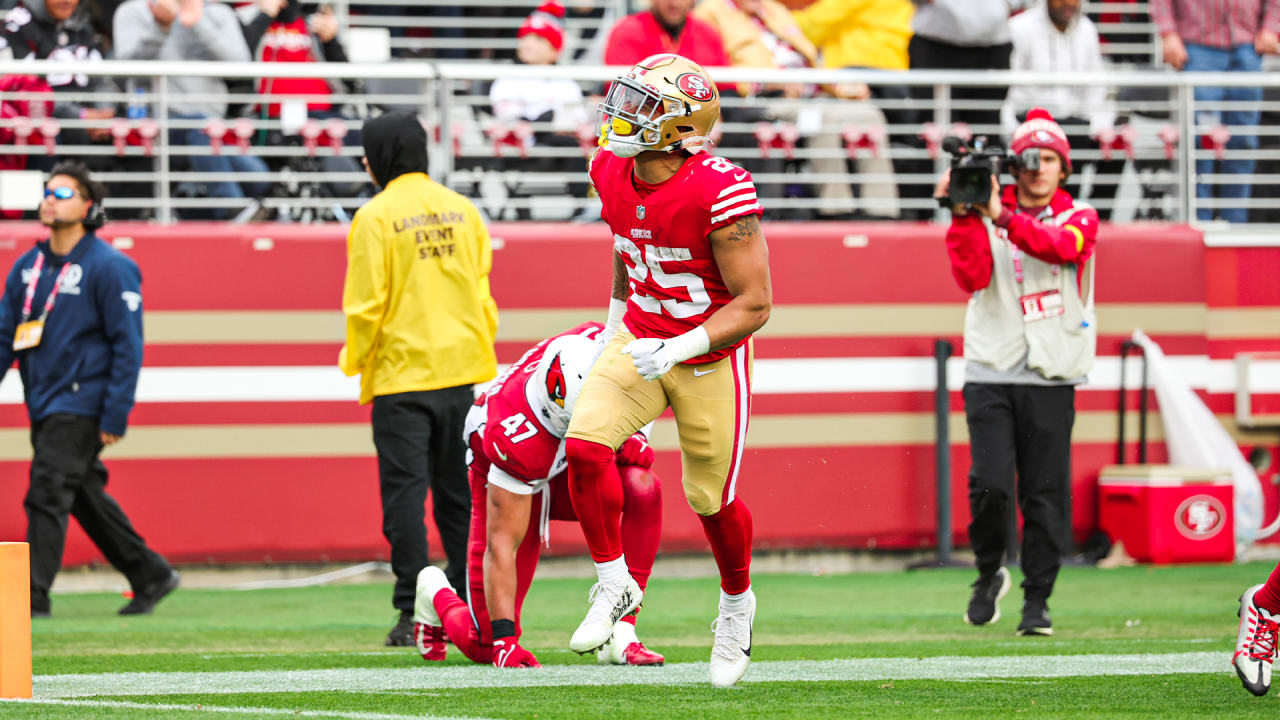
x=247 y=444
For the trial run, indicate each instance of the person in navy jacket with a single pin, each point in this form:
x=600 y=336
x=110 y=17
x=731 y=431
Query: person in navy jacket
x=79 y=352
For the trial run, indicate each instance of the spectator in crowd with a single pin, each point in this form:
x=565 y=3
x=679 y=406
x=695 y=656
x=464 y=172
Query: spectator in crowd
x=1026 y=258
x=279 y=32
x=175 y=30
x=859 y=33
x=72 y=316
x=1057 y=39
x=557 y=101
x=872 y=34
x=762 y=34
x=1227 y=36
x=420 y=332
x=60 y=30
x=965 y=35
x=666 y=27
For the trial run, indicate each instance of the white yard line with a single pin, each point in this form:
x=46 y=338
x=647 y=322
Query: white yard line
x=470 y=676
x=234 y=710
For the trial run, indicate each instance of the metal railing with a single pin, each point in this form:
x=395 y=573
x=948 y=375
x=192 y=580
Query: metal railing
x=1157 y=181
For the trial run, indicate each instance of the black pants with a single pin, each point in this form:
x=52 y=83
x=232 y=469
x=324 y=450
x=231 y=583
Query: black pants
x=1024 y=429
x=68 y=478
x=933 y=55
x=419 y=440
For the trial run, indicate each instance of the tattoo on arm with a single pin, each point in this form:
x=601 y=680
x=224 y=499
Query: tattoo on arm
x=745 y=228
x=619 y=278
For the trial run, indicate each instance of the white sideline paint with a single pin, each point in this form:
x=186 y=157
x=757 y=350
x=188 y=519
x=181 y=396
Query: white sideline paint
x=475 y=676
x=233 y=710
x=772 y=377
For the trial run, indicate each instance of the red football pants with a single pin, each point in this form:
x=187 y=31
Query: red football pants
x=467 y=623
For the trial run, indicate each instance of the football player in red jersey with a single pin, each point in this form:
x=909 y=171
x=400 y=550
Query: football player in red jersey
x=517 y=468
x=690 y=285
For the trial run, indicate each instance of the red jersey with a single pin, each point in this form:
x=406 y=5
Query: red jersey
x=506 y=431
x=662 y=233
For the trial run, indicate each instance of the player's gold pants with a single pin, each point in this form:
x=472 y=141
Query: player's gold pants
x=711 y=403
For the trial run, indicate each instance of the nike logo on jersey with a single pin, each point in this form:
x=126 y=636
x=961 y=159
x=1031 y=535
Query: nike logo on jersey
x=700 y=373
x=739 y=176
x=500 y=453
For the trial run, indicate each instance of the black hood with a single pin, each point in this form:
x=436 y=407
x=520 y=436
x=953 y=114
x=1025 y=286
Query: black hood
x=395 y=144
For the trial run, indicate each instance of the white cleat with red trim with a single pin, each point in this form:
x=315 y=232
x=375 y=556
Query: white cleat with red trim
x=624 y=648
x=1255 y=644
x=428 y=633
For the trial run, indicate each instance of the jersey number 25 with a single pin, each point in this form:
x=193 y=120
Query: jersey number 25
x=644 y=264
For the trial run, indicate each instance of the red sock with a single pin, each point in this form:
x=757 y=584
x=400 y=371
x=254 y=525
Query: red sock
x=1268 y=596
x=456 y=618
x=641 y=521
x=729 y=532
x=596 y=490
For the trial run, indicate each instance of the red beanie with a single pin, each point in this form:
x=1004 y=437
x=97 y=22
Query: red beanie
x=547 y=21
x=1041 y=131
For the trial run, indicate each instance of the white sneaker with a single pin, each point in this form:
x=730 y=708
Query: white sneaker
x=732 y=649
x=608 y=604
x=624 y=648
x=1255 y=644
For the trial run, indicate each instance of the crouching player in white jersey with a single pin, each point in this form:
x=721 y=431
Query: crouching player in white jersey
x=515 y=435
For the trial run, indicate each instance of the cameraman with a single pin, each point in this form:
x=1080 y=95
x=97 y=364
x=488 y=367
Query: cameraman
x=1029 y=338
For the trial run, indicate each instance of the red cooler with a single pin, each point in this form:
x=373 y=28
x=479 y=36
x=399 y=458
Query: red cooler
x=1166 y=514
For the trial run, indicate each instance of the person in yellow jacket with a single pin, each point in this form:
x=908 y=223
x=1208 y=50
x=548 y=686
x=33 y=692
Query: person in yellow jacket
x=420 y=332
x=859 y=33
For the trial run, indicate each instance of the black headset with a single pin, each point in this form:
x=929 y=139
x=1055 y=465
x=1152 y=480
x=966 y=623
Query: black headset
x=96 y=217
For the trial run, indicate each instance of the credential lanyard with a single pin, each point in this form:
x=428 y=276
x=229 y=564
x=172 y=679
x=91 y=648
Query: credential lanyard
x=31 y=288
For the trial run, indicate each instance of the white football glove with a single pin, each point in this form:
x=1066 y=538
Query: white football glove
x=652 y=357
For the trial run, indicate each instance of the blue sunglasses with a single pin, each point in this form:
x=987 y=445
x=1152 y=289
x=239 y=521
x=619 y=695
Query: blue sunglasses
x=62 y=193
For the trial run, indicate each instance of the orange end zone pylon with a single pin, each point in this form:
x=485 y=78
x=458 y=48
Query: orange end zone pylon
x=15 y=620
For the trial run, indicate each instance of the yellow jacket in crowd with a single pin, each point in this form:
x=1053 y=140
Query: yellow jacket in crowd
x=419 y=312
x=859 y=33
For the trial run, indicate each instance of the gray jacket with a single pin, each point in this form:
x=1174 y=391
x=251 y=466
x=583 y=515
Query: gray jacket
x=970 y=23
x=217 y=36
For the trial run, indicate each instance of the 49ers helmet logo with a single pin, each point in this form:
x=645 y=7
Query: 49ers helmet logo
x=556 y=388
x=695 y=86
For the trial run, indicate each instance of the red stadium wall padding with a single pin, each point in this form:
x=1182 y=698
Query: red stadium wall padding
x=213 y=479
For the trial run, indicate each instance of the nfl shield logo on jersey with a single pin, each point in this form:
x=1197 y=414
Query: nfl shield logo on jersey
x=639 y=212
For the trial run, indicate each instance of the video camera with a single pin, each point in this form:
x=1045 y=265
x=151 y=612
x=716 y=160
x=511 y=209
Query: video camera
x=973 y=166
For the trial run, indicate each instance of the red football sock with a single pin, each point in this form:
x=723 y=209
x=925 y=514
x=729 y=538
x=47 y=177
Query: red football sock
x=596 y=490
x=1268 y=597
x=456 y=618
x=729 y=532
x=641 y=521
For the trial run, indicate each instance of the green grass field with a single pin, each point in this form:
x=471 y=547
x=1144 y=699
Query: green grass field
x=1133 y=642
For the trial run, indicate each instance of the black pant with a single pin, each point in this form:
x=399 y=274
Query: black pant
x=1027 y=429
x=68 y=478
x=933 y=55
x=419 y=440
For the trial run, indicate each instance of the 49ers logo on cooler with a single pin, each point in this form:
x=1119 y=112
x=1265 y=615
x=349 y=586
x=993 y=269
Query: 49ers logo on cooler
x=1200 y=517
x=695 y=86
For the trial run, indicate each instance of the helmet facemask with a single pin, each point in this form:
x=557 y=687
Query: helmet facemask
x=631 y=119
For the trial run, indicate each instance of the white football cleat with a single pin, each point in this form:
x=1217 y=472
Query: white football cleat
x=624 y=648
x=428 y=634
x=731 y=652
x=609 y=603
x=1255 y=644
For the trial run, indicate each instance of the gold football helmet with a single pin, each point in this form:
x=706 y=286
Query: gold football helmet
x=665 y=103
